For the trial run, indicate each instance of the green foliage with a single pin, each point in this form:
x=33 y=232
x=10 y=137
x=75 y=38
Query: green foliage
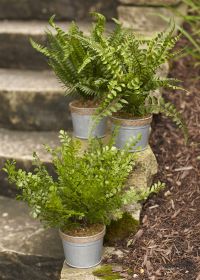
x=70 y=60
x=130 y=72
x=192 y=18
x=142 y=195
x=89 y=187
x=117 y=69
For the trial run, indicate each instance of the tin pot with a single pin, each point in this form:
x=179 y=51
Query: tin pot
x=83 y=252
x=82 y=122
x=132 y=128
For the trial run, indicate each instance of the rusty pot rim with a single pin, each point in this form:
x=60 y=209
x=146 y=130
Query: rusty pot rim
x=140 y=121
x=83 y=239
x=81 y=110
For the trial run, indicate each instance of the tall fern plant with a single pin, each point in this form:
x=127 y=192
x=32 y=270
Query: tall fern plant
x=130 y=72
x=69 y=58
x=117 y=69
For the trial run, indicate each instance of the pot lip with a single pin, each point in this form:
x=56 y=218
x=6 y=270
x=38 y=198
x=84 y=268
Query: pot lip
x=137 y=121
x=81 y=110
x=83 y=239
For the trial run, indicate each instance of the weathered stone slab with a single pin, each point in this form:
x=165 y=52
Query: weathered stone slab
x=32 y=100
x=64 y=9
x=147 y=21
x=21 y=233
x=146 y=167
x=28 y=267
x=87 y=274
x=150 y=2
x=141 y=178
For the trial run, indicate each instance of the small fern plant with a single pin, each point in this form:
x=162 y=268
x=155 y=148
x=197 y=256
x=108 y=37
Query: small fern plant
x=78 y=71
x=130 y=66
x=89 y=187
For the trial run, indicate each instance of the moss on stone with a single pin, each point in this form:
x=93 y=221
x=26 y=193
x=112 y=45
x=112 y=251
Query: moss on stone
x=121 y=229
x=105 y=272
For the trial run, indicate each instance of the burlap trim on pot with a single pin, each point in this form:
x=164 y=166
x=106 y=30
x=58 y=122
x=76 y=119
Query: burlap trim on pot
x=131 y=122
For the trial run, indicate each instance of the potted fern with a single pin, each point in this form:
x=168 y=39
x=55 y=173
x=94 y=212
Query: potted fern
x=88 y=190
x=79 y=74
x=131 y=80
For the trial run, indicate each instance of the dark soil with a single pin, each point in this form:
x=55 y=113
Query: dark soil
x=167 y=246
x=85 y=231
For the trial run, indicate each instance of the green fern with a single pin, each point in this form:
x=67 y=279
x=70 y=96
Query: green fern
x=117 y=69
x=130 y=69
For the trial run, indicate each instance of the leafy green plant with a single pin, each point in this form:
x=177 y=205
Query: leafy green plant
x=192 y=18
x=117 y=69
x=130 y=72
x=77 y=71
x=90 y=185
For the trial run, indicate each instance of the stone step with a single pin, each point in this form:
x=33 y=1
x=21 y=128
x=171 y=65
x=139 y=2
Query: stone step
x=15 y=266
x=19 y=145
x=32 y=100
x=64 y=9
x=21 y=233
x=15 y=48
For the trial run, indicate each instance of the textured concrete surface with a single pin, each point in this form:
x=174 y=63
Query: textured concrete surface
x=15 y=266
x=146 y=21
x=15 y=48
x=32 y=100
x=69 y=273
x=21 y=233
x=150 y=2
x=20 y=144
x=64 y=9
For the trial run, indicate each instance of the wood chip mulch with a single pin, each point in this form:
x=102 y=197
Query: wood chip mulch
x=167 y=245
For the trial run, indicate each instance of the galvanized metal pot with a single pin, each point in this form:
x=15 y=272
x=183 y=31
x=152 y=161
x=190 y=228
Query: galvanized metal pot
x=131 y=128
x=83 y=252
x=82 y=122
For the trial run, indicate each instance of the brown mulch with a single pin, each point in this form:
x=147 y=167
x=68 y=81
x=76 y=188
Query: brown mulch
x=167 y=245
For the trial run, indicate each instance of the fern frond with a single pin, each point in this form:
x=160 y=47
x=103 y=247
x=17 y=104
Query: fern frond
x=170 y=111
x=98 y=27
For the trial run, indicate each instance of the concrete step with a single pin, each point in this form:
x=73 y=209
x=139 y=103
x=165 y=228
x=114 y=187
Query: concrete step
x=32 y=100
x=15 y=266
x=21 y=233
x=19 y=145
x=15 y=48
x=64 y=9
x=27 y=250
